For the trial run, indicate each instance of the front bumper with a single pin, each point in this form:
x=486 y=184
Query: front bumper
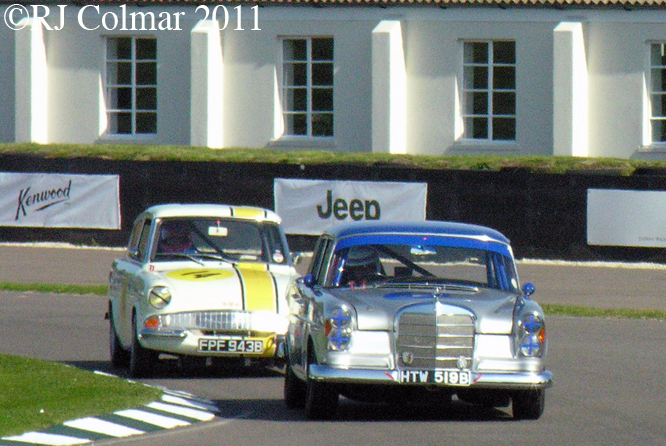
x=494 y=380
x=187 y=343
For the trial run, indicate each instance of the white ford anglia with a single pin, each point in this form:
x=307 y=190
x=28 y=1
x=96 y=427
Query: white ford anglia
x=200 y=280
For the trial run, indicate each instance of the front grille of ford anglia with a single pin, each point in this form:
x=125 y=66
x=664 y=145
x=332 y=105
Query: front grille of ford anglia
x=212 y=320
x=434 y=341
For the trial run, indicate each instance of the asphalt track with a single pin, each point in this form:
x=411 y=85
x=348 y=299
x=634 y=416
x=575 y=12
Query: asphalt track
x=597 y=285
x=609 y=373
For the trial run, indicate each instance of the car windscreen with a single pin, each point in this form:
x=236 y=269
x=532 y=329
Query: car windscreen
x=228 y=239
x=392 y=264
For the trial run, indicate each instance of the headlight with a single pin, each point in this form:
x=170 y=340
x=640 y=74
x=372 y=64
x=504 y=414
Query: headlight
x=339 y=328
x=159 y=297
x=532 y=335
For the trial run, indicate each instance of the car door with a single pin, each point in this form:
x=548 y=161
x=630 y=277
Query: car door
x=127 y=280
x=302 y=303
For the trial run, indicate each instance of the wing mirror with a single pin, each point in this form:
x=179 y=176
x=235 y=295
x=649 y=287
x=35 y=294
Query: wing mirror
x=528 y=289
x=308 y=280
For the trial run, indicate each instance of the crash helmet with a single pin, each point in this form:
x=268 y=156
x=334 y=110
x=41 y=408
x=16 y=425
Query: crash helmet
x=361 y=264
x=174 y=236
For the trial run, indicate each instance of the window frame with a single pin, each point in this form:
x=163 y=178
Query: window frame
x=309 y=113
x=133 y=86
x=649 y=140
x=465 y=135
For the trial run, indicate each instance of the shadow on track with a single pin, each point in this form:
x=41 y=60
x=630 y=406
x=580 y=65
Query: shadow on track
x=353 y=411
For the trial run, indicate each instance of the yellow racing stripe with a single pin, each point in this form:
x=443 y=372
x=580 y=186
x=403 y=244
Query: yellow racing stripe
x=259 y=288
x=247 y=212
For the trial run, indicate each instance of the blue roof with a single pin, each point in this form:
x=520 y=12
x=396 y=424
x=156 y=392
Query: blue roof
x=438 y=228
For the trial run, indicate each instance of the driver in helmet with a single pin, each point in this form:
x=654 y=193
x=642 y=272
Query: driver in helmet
x=175 y=238
x=362 y=266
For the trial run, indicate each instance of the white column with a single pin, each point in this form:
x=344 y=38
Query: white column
x=31 y=75
x=389 y=89
x=570 y=92
x=206 y=83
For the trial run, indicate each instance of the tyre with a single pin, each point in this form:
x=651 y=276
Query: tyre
x=294 y=390
x=528 y=404
x=141 y=359
x=321 y=399
x=119 y=356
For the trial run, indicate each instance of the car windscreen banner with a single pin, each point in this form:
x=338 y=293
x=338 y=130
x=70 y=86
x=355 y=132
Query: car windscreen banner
x=312 y=206
x=626 y=218
x=59 y=200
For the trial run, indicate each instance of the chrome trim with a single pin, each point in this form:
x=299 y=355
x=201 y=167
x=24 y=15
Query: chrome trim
x=524 y=380
x=433 y=341
x=209 y=320
x=162 y=334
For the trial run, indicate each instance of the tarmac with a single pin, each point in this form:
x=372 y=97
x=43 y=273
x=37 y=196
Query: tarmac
x=587 y=284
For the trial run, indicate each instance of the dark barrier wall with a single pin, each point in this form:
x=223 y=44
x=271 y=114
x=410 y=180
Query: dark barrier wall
x=544 y=215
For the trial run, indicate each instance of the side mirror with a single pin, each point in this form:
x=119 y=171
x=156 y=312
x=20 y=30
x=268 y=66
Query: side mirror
x=308 y=280
x=528 y=289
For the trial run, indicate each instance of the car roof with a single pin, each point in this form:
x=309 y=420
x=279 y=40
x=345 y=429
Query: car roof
x=212 y=210
x=438 y=228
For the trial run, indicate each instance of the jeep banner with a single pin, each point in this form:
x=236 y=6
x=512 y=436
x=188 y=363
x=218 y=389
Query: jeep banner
x=312 y=206
x=59 y=200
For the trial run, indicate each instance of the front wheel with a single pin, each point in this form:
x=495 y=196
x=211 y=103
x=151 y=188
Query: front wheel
x=119 y=356
x=294 y=390
x=141 y=359
x=528 y=404
x=321 y=399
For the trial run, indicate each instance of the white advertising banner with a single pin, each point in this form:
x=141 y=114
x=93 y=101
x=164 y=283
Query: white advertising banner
x=59 y=200
x=626 y=218
x=312 y=206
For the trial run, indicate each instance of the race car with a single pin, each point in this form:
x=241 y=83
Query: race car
x=200 y=281
x=409 y=312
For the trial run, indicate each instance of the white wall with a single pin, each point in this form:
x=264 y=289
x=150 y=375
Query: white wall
x=615 y=46
x=618 y=57
x=434 y=54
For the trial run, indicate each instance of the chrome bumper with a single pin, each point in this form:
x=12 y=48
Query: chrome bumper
x=172 y=341
x=518 y=381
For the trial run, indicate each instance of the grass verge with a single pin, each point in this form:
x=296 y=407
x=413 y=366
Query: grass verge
x=532 y=163
x=37 y=394
x=49 y=288
x=620 y=313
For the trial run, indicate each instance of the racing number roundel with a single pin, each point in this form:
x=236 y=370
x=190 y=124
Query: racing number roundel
x=200 y=274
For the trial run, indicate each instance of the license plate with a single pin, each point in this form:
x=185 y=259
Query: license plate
x=442 y=377
x=231 y=345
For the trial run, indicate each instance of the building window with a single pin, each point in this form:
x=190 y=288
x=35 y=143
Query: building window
x=131 y=85
x=658 y=92
x=489 y=90
x=307 y=86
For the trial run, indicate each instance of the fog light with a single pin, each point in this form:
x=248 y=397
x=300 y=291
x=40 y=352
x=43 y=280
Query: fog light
x=339 y=339
x=531 y=346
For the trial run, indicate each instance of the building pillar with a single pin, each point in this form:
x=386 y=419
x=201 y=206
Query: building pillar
x=206 y=83
x=31 y=74
x=389 y=89
x=570 y=91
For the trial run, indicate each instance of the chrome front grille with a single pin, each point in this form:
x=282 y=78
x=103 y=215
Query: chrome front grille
x=208 y=320
x=432 y=341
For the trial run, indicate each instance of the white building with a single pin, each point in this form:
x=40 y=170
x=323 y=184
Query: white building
x=435 y=77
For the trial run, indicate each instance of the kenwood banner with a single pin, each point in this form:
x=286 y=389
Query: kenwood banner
x=59 y=200
x=626 y=218
x=311 y=206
